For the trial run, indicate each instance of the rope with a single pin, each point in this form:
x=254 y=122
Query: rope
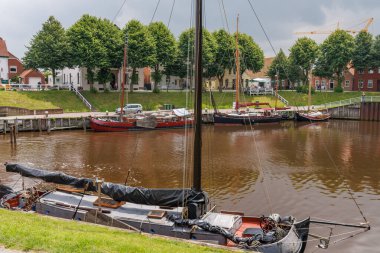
x=345 y=183
x=155 y=10
x=117 y=13
x=171 y=13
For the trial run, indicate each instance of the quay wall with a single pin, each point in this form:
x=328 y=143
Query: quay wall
x=6 y=111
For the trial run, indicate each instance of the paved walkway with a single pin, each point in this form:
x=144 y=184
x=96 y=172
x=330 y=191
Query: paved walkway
x=4 y=250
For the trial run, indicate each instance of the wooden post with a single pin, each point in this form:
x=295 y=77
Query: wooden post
x=40 y=124
x=84 y=123
x=48 y=125
x=5 y=126
x=31 y=124
x=16 y=125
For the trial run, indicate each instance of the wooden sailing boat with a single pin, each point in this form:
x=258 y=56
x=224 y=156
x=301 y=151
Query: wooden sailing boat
x=311 y=116
x=177 y=118
x=238 y=117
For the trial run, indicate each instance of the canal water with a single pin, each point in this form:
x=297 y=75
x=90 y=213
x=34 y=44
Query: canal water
x=292 y=169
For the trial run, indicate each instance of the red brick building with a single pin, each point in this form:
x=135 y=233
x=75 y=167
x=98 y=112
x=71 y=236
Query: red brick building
x=367 y=80
x=11 y=66
x=329 y=84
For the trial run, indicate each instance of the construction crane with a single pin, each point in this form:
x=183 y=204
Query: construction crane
x=367 y=22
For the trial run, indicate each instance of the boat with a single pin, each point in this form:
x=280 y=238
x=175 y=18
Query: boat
x=239 y=117
x=311 y=116
x=179 y=213
x=177 y=118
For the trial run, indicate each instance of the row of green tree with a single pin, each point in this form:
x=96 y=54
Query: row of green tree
x=97 y=44
x=330 y=59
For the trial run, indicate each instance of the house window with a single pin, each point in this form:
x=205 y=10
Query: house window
x=370 y=71
x=361 y=71
x=370 y=84
x=347 y=83
x=360 y=84
x=64 y=78
x=13 y=69
x=378 y=70
x=229 y=71
x=78 y=78
x=226 y=83
x=316 y=82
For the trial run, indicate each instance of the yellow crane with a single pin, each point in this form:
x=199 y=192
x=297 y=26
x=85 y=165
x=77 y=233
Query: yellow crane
x=367 y=22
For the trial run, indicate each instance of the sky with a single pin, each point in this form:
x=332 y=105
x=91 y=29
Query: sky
x=280 y=18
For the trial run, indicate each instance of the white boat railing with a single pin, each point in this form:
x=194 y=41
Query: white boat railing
x=81 y=97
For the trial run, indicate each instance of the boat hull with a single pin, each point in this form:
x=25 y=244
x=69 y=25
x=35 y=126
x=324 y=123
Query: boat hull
x=306 y=117
x=225 y=119
x=130 y=125
x=134 y=217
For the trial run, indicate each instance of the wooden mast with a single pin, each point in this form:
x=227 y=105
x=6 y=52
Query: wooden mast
x=237 y=65
x=309 y=97
x=123 y=78
x=198 y=99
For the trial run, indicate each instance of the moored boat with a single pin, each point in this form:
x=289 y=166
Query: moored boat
x=312 y=116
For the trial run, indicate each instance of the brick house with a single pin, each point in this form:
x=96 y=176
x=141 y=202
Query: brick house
x=329 y=84
x=367 y=80
x=11 y=66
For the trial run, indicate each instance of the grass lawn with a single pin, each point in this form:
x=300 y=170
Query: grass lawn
x=300 y=99
x=152 y=101
x=34 y=232
x=42 y=100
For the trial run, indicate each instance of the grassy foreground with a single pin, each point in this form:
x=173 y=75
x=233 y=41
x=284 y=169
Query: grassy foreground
x=39 y=233
x=34 y=100
x=153 y=101
x=318 y=98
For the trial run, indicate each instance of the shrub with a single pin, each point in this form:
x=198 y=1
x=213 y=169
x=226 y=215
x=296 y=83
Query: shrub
x=156 y=90
x=338 y=89
x=93 y=90
x=305 y=89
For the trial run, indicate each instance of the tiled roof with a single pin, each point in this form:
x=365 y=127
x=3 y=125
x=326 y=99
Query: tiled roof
x=25 y=73
x=3 y=48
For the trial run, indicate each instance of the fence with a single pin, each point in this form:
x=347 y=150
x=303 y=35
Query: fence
x=350 y=101
x=81 y=97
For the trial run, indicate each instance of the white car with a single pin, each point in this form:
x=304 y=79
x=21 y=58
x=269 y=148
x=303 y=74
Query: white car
x=130 y=108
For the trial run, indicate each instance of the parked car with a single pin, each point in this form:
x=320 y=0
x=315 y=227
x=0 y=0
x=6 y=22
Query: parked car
x=131 y=108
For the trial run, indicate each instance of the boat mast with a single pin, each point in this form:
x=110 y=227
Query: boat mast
x=197 y=163
x=237 y=65
x=309 y=97
x=124 y=78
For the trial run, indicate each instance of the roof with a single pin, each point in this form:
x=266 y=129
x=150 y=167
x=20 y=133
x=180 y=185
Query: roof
x=26 y=73
x=3 y=48
x=263 y=72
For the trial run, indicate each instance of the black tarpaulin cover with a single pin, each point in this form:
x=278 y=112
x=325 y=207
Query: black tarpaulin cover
x=159 y=197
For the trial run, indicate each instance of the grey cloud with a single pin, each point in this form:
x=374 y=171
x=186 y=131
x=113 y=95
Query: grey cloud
x=280 y=18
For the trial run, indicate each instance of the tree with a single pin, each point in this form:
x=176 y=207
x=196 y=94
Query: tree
x=304 y=54
x=279 y=66
x=176 y=67
x=335 y=53
x=251 y=55
x=186 y=51
x=48 y=48
x=224 y=56
x=165 y=46
x=141 y=48
x=96 y=44
x=375 y=52
x=361 y=58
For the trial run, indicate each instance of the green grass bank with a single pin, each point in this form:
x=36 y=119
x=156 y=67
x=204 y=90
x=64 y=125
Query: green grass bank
x=153 y=101
x=34 y=100
x=318 y=98
x=32 y=232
